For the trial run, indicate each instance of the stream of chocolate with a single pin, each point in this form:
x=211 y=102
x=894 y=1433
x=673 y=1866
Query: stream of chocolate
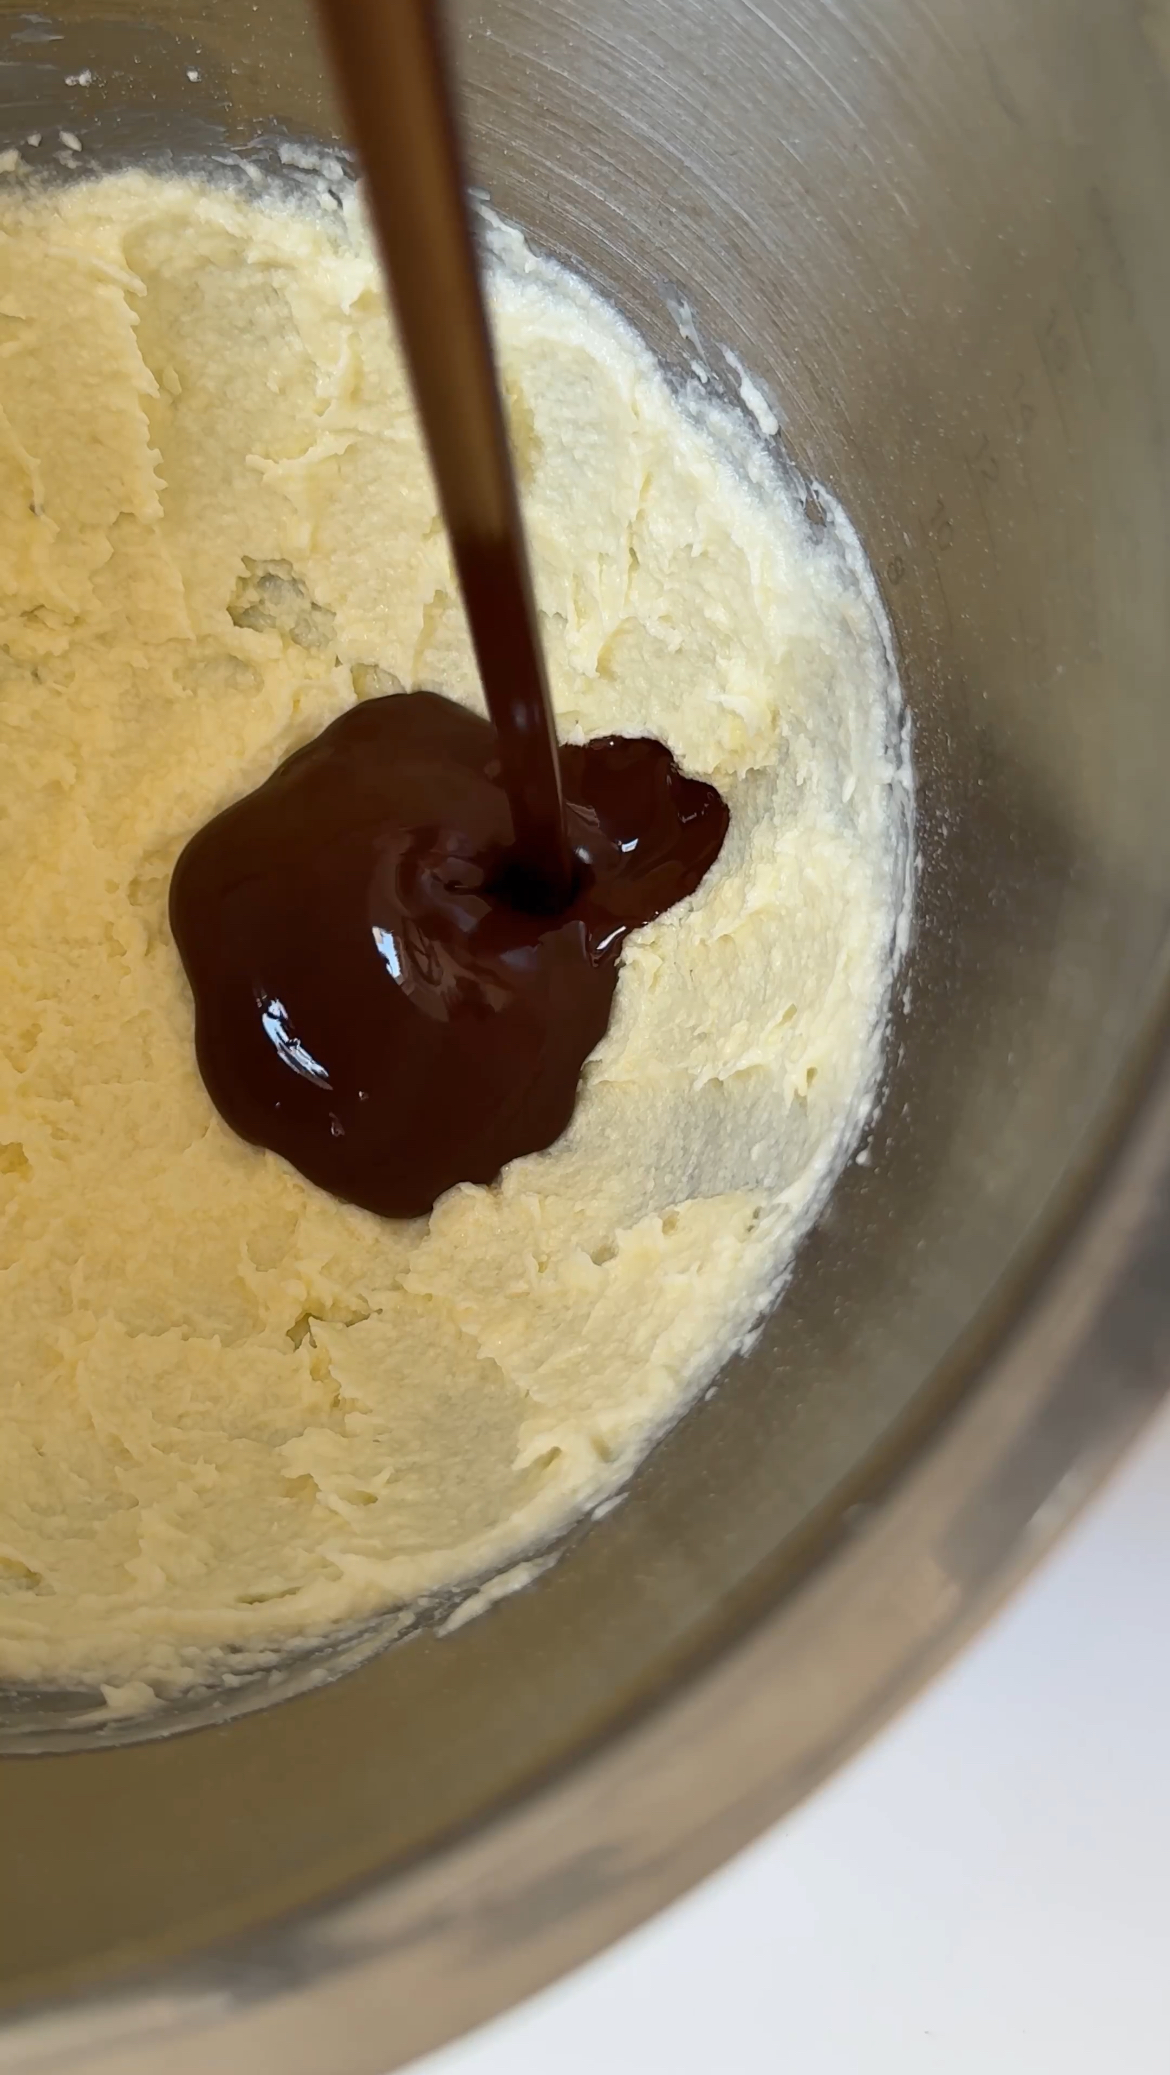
x=404 y=946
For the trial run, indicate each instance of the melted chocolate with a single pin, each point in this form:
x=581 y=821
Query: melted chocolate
x=403 y=947
x=376 y=998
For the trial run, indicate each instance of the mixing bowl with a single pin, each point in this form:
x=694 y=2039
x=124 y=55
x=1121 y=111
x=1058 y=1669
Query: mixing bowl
x=935 y=234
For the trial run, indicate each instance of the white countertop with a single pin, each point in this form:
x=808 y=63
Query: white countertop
x=984 y=1891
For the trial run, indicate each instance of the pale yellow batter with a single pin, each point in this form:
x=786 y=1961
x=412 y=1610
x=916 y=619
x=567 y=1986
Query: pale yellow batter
x=232 y=1410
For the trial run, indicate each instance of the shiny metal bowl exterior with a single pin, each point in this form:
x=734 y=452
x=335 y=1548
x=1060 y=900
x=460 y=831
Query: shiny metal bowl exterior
x=936 y=233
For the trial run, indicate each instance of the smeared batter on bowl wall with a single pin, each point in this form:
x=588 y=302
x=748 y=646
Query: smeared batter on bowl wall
x=234 y=1411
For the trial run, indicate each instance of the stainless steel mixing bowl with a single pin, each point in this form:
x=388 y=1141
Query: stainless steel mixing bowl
x=935 y=230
